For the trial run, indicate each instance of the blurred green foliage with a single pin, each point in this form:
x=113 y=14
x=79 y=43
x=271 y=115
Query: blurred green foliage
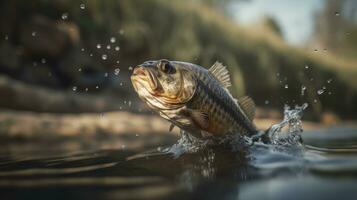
x=261 y=64
x=336 y=27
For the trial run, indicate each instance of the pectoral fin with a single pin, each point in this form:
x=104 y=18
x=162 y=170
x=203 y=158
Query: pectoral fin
x=172 y=126
x=201 y=119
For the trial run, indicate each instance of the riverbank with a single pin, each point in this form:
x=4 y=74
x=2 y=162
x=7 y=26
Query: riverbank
x=28 y=125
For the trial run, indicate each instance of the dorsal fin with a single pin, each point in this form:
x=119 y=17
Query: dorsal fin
x=248 y=107
x=220 y=72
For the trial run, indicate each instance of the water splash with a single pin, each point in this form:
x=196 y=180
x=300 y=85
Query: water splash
x=187 y=144
x=190 y=144
x=292 y=120
x=287 y=133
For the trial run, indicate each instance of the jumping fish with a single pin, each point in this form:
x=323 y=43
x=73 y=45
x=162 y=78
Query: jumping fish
x=193 y=98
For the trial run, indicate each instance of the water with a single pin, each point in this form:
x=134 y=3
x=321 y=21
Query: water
x=324 y=166
x=292 y=120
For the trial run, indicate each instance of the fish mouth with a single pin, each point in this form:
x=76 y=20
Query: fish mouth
x=141 y=73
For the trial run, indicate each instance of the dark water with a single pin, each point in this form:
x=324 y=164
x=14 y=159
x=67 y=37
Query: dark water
x=325 y=168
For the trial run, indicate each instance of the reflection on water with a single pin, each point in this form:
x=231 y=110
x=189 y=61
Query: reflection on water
x=317 y=170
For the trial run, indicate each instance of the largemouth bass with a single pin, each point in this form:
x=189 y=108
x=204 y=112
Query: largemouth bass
x=193 y=98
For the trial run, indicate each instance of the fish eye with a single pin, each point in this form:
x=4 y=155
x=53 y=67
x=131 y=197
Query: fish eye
x=167 y=68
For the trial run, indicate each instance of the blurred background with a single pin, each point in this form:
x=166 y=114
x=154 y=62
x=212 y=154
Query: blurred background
x=65 y=65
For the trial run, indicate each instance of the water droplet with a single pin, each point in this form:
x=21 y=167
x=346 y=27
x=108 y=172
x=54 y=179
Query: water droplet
x=266 y=102
x=91 y=55
x=108 y=46
x=99 y=46
x=82 y=49
x=34 y=33
x=329 y=80
x=82 y=6
x=43 y=60
x=65 y=16
x=130 y=68
x=121 y=31
x=129 y=103
x=306 y=66
x=121 y=84
x=321 y=91
x=315 y=100
x=74 y=88
x=303 y=88
x=113 y=39
x=137 y=135
x=96 y=87
x=104 y=56
x=117 y=48
x=116 y=71
x=278 y=74
x=117 y=62
x=123 y=146
x=337 y=13
x=6 y=37
x=106 y=74
x=86 y=89
x=286 y=86
x=329 y=93
x=79 y=69
x=158 y=148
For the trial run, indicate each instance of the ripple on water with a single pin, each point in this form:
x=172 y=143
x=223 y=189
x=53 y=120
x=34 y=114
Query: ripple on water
x=323 y=167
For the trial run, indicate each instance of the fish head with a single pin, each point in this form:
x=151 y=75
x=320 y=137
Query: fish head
x=163 y=84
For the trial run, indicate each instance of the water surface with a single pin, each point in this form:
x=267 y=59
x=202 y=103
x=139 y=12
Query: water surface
x=324 y=168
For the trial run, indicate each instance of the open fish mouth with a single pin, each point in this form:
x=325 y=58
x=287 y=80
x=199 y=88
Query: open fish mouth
x=141 y=73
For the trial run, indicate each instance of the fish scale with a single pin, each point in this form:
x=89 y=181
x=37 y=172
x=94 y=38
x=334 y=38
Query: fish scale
x=205 y=84
x=202 y=101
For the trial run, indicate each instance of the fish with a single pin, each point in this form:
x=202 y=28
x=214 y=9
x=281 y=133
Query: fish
x=193 y=98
